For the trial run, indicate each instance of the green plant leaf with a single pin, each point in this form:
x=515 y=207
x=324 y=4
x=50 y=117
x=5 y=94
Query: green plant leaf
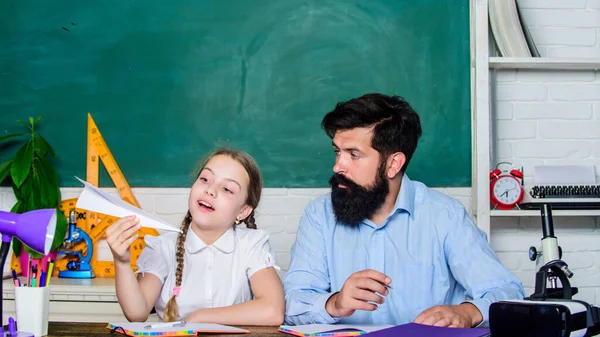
x=37 y=119
x=18 y=207
x=25 y=189
x=7 y=137
x=31 y=204
x=17 y=193
x=43 y=191
x=34 y=254
x=44 y=188
x=49 y=170
x=31 y=122
x=48 y=182
x=5 y=169
x=17 y=246
x=22 y=163
x=49 y=147
x=42 y=144
x=61 y=229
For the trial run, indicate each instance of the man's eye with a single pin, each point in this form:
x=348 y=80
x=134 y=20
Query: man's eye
x=355 y=155
x=337 y=152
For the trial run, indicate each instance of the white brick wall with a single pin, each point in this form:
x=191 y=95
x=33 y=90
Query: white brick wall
x=564 y=28
x=551 y=117
x=279 y=211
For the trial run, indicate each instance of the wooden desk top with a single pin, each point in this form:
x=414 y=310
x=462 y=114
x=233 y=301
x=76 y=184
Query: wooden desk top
x=63 y=329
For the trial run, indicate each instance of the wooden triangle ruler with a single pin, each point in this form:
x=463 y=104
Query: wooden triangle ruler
x=95 y=224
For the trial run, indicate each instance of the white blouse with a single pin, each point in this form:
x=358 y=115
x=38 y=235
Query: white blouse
x=213 y=276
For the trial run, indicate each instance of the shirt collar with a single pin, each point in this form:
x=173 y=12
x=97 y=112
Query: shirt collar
x=406 y=198
x=226 y=243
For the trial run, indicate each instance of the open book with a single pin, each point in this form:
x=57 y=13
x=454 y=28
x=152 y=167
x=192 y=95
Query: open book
x=162 y=329
x=330 y=329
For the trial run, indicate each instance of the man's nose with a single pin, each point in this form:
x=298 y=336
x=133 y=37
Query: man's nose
x=340 y=165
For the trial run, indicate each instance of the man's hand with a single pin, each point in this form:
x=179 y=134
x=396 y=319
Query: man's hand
x=358 y=291
x=464 y=315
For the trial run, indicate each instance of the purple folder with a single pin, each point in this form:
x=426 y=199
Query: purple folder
x=420 y=330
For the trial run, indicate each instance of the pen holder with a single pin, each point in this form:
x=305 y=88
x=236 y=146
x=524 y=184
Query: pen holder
x=31 y=305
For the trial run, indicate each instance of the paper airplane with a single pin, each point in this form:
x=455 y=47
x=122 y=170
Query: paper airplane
x=95 y=200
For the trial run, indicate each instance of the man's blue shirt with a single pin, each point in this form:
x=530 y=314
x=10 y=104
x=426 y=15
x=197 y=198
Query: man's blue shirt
x=428 y=245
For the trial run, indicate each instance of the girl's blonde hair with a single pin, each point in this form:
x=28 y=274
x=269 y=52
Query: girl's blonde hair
x=171 y=312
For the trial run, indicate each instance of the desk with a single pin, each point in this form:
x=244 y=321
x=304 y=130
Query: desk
x=63 y=329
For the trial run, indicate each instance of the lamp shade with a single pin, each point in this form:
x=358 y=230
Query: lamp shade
x=34 y=228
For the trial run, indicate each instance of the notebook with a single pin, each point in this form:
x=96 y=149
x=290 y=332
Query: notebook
x=404 y=330
x=420 y=330
x=187 y=329
x=330 y=329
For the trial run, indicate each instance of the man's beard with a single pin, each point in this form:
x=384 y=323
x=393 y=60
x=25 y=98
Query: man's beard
x=353 y=204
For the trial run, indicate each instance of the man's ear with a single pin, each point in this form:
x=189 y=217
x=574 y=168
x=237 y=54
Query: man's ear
x=244 y=212
x=395 y=163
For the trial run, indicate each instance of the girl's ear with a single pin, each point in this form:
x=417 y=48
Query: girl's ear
x=244 y=212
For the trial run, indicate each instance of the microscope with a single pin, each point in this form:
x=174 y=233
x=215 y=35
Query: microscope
x=80 y=267
x=551 y=309
x=553 y=267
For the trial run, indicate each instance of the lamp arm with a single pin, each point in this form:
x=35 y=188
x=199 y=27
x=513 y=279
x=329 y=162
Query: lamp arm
x=3 y=253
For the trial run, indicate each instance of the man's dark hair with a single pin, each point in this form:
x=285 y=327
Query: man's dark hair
x=397 y=127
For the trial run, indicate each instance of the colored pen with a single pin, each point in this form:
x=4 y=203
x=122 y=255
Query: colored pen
x=38 y=272
x=34 y=279
x=42 y=280
x=49 y=271
x=29 y=265
x=16 y=280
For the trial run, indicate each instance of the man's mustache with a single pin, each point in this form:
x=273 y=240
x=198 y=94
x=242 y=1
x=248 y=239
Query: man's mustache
x=338 y=179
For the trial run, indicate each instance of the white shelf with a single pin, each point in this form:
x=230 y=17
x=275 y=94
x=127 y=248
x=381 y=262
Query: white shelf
x=544 y=63
x=570 y=212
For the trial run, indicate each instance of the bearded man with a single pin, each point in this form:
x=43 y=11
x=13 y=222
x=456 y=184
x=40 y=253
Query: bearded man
x=381 y=248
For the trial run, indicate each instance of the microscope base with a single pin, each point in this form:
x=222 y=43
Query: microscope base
x=76 y=274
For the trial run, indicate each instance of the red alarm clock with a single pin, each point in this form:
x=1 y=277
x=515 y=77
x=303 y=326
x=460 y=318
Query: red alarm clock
x=506 y=187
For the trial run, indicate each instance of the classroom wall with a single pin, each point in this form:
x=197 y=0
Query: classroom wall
x=542 y=117
x=551 y=117
x=279 y=211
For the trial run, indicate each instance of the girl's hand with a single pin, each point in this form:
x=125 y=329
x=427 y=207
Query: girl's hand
x=121 y=235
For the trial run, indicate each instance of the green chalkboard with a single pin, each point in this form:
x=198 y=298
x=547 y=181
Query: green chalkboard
x=167 y=80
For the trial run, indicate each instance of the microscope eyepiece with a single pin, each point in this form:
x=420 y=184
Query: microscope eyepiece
x=72 y=216
x=547 y=225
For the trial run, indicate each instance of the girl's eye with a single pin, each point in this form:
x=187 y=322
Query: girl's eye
x=227 y=190
x=203 y=179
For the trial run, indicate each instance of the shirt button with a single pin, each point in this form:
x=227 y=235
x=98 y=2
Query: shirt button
x=209 y=267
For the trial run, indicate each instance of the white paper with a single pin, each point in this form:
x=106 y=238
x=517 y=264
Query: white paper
x=564 y=175
x=324 y=328
x=199 y=327
x=95 y=200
